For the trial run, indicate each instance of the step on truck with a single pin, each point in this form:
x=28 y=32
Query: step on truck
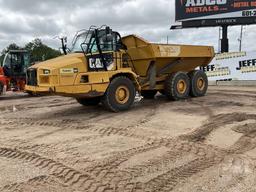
x=103 y=67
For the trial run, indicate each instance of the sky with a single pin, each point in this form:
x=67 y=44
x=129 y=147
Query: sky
x=23 y=20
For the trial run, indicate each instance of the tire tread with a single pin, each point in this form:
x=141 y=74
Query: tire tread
x=106 y=98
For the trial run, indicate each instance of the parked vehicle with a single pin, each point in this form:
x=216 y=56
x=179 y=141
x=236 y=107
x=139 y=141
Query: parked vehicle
x=101 y=66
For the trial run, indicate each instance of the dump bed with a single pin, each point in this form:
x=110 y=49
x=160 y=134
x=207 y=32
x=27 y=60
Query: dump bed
x=183 y=57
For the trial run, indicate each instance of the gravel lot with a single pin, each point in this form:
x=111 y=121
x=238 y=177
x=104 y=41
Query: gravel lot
x=53 y=144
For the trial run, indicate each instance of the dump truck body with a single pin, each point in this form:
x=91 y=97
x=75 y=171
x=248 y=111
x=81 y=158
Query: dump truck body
x=143 y=53
x=167 y=59
x=110 y=69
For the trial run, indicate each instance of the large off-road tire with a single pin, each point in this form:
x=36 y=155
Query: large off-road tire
x=198 y=83
x=89 y=101
x=120 y=94
x=177 y=86
x=148 y=94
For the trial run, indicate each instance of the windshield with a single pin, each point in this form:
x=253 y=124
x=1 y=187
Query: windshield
x=81 y=38
x=87 y=42
x=17 y=62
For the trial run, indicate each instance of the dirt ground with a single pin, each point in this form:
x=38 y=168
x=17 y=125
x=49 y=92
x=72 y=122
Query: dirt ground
x=53 y=144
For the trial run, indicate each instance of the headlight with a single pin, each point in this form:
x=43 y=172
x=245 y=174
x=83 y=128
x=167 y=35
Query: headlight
x=46 y=71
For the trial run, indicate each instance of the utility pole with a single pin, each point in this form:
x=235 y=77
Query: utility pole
x=167 y=39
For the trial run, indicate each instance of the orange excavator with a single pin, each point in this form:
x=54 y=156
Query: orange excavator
x=13 y=71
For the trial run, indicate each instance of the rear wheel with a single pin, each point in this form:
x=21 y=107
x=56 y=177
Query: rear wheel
x=89 y=101
x=199 y=83
x=120 y=94
x=177 y=86
x=148 y=94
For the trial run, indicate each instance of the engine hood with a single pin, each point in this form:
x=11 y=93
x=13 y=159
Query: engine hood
x=60 y=62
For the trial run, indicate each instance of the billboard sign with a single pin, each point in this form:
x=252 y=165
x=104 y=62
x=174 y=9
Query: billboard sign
x=232 y=66
x=187 y=10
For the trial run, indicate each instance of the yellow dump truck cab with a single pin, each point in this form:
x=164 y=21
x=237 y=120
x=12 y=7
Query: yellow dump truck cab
x=103 y=67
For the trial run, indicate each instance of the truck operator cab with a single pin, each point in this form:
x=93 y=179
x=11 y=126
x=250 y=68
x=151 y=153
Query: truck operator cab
x=98 y=46
x=15 y=63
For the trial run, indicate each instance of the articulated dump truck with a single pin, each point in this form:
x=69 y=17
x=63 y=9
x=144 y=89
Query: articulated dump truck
x=102 y=67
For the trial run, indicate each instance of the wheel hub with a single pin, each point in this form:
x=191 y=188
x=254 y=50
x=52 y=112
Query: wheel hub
x=200 y=84
x=181 y=86
x=122 y=94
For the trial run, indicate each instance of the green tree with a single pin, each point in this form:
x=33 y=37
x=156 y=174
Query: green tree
x=40 y=51
x=37 y=49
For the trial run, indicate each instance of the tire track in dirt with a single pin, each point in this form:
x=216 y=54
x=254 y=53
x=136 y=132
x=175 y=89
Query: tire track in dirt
x=89 y=113
x=126 y=131
x=87 y=180
x=167 y=181
x=119 y=157
x=39 y=180
x=208 y=155
x=61 y=125
x=150 y=112
x=121 y=180
x=77 y=124
x=214 y=123
x=34 y=104
x=247 y=142
x=178 y=150
x=37 y=122
x=105 y=175
x=203 y=107
x=107 y=172
x=50 y=150
x=65 y=124
x=67 y=175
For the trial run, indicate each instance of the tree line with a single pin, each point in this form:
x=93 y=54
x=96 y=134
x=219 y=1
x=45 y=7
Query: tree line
x=37 y=49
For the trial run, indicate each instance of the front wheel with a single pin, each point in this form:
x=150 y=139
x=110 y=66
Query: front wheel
x=199 y=83
x=120 y=94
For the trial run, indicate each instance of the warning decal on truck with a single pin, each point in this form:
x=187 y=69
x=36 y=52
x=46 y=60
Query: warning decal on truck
x=167 y=50
x=68 y=70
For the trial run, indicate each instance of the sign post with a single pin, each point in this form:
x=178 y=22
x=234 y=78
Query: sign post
x=224 y=39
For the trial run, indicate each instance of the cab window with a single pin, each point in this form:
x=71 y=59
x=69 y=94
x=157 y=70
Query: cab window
x=104 y=43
